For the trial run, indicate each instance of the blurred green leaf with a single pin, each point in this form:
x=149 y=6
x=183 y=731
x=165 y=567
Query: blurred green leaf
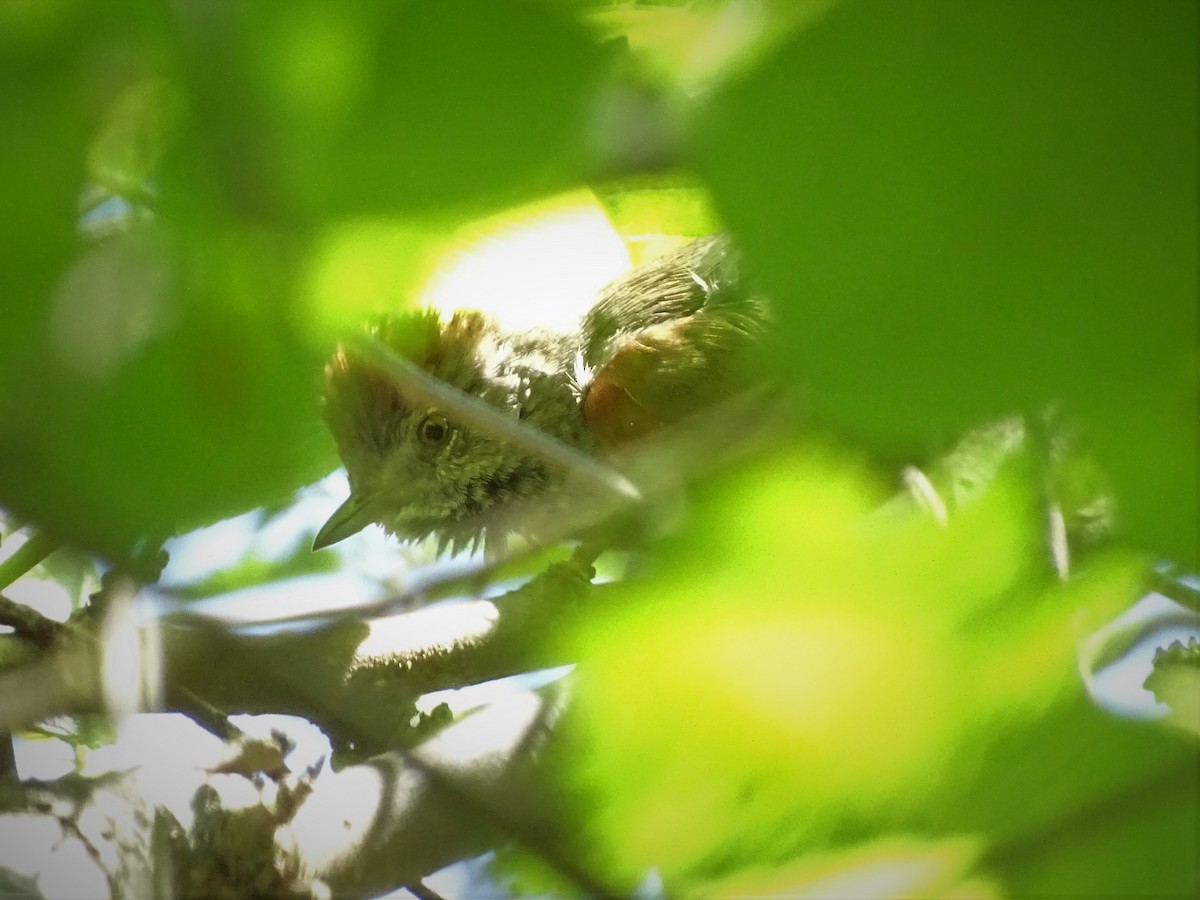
x=890 y=868
x=1138 y=843
x=811 y=674
x=362 y=268
x=315 y=108
x=134 y=137
x=694 y=44
x=162 y=390
x=41 y=157
x=655 y=216
x=967 y=210
x=962 y=211
x=147 y=383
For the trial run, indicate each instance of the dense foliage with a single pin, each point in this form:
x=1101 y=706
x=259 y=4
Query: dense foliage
x=962 y=212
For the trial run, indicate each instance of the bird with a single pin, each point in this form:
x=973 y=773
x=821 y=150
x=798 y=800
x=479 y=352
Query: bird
x=661 y=343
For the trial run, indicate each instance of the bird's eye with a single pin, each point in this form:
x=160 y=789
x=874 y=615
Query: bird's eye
x=434 y=430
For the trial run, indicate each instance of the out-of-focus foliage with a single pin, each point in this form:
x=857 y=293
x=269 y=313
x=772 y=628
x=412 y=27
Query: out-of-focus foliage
x=161 y=380
x=966 y=209
x=815 y=672
x=655 y=215
x=961 y=211
x=321 y=109
x=886 y=869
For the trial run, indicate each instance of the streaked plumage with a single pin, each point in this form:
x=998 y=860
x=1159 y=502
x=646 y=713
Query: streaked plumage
x=661 y=343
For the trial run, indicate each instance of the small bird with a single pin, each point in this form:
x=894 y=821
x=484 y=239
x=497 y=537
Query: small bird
x=663 y=342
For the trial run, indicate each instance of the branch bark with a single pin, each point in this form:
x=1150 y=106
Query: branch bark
x=170 y=829
x=418 y=803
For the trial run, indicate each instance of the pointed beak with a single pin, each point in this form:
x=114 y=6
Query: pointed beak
x=350 y=518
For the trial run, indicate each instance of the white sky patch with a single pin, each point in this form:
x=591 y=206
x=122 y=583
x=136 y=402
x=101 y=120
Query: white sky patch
x=206 y=551
x=201 y=553
x=44 y=595
x=463 y=700
x=1118 y=687
x=44 y=758
x=541 y=274
x=442 y=625
x=47 y=597
x=307 y=595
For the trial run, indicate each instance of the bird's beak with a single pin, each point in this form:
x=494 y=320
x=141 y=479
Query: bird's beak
x=350 y=518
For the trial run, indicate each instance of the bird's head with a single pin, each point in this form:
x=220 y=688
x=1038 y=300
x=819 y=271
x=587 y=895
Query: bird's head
x=660 y=345
x=412 y=467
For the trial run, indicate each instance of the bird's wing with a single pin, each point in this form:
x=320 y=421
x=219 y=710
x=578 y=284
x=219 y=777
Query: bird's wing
x=667 y=340
x=667 y=288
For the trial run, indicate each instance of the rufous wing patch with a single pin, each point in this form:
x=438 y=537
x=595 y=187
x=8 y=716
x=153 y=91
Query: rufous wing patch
x=612 y=414
x=633 y=393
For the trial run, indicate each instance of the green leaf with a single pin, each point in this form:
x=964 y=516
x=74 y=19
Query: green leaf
x=162 y=390
x=815 y=671
x=41 y=159
x=655 y=216
x=970 y=209
x=890 y=868
x=151 y=382
x=136 y=134
x=315 y=108
x=1137 y=843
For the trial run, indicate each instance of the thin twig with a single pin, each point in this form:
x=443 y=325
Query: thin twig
x=533 y=839
x=28 y=555
x=8 y=758
x=1173 y=587
x=422 y=590
x=422 y=891
x=358 y=725
x=206 y=715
